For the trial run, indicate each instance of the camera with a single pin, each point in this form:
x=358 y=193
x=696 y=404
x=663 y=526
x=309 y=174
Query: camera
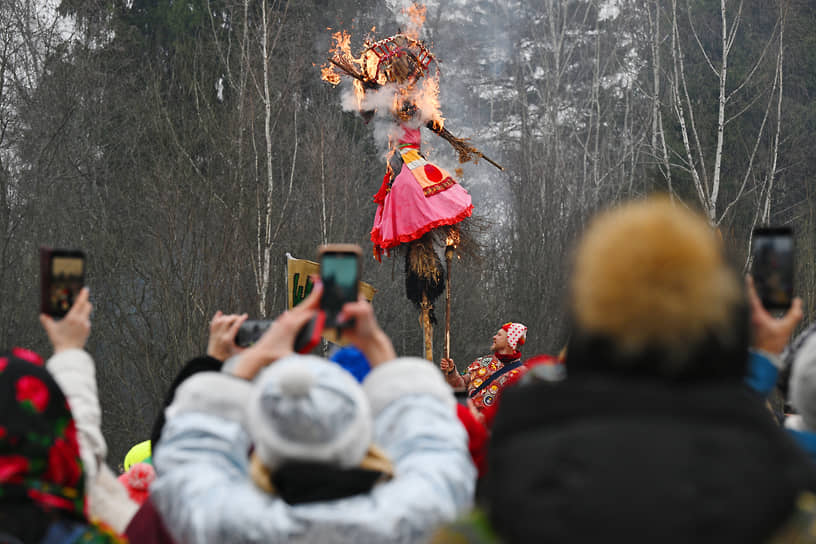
x=251 y=331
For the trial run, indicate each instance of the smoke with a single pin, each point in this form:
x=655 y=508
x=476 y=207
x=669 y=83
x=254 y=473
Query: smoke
x=402 y=9
x=474 y=42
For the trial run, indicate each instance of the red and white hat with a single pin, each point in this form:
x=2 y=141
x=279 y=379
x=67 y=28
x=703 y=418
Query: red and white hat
x=516 y=334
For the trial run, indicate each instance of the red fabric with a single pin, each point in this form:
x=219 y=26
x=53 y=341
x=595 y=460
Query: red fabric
x=433 y=173
x=407 y=212
x=147 y=526
x=380 y=196
x=505 y=358
x=477 y=438
x=410 y=237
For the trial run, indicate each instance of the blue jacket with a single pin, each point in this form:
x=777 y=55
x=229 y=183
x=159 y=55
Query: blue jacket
x=205 y=494
x=762 y=376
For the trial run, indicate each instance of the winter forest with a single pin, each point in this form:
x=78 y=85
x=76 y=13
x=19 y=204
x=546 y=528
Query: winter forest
x=186 y=146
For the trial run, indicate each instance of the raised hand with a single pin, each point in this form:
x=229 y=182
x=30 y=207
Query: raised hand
x=223 y=328
x=769 y=333
x=73 y=330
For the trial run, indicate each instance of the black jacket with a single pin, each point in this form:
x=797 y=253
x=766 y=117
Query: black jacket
x=605 y=459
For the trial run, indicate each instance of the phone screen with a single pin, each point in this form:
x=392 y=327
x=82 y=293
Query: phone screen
x=340 y=275
x=65 y=280
x=772 y=268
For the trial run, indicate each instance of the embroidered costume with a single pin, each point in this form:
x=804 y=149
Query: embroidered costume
x=489 y=375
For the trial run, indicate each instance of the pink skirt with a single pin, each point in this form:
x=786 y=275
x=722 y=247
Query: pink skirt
x=407 y=213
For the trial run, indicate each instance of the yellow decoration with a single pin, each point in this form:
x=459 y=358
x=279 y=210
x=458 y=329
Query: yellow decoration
x=137 y=454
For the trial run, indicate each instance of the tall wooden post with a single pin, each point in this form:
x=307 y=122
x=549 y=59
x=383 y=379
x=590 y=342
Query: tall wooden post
x=449 y=260
x=427 y=327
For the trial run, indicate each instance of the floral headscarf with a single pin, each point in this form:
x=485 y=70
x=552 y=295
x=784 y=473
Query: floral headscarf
x=39 y=452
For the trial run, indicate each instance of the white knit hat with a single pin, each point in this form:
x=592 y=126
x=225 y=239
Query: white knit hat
x=308 y=409
x=803 y=382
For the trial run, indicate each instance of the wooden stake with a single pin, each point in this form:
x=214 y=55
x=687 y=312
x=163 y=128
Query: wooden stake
x=427 y=328
x=449 y=260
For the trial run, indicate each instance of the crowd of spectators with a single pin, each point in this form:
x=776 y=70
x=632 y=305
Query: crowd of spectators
x=652 y=425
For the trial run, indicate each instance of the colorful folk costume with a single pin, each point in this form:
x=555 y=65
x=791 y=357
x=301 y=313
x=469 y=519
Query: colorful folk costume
x=419 y=204
x=422 y=197
x=487 y=376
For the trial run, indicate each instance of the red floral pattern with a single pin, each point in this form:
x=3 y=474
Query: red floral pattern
x=13 y=468
x=32 y=392
x=63 y=463
x=27 y=355
x=54 y=501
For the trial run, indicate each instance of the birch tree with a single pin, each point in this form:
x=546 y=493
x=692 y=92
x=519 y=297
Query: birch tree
x=727 y=144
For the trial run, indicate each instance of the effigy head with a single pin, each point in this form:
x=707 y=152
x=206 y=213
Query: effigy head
x=397 y=59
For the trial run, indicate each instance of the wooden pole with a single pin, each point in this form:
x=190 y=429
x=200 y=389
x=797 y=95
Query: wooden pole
x=427 y=328
x=449 y=261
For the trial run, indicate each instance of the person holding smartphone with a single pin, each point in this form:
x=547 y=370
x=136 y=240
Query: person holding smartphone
x=654 y=435
x=331 y=460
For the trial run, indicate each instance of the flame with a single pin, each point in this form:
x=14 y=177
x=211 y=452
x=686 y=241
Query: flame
x=359 y=93
x=452 y=240
x=327 y=73
x=428 y=101
x=341 y=53
x=416 y=17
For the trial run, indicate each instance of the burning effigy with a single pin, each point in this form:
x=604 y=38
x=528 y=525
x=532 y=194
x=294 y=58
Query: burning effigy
x=420 y=206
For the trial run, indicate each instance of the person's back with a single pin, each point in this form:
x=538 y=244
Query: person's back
x=331 y=461
x=653 y=437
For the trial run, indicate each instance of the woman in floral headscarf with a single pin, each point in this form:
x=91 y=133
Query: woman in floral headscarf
x=42 y=485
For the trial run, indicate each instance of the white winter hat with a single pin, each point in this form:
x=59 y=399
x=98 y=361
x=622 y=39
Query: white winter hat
x=803 y=382
x=306 y=408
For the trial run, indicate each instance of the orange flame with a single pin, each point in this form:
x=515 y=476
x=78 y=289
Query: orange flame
x=340 y=52
x=452 y=240
x=428 y=100
x=416 y=16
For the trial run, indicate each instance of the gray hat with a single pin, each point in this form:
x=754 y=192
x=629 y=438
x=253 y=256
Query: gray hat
x=306 y=408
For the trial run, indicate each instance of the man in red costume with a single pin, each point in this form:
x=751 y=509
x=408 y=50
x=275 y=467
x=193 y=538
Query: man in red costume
x=487 y=376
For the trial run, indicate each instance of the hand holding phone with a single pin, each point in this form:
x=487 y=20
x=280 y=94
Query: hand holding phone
x=767 y=332
x=279 y=339
x=71 y=332
x=62 y=276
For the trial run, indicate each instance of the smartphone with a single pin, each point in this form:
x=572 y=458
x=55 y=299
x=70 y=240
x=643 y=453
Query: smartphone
x=62 y=275
x=340 y=269
x=772 y=266
x=251 y=331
